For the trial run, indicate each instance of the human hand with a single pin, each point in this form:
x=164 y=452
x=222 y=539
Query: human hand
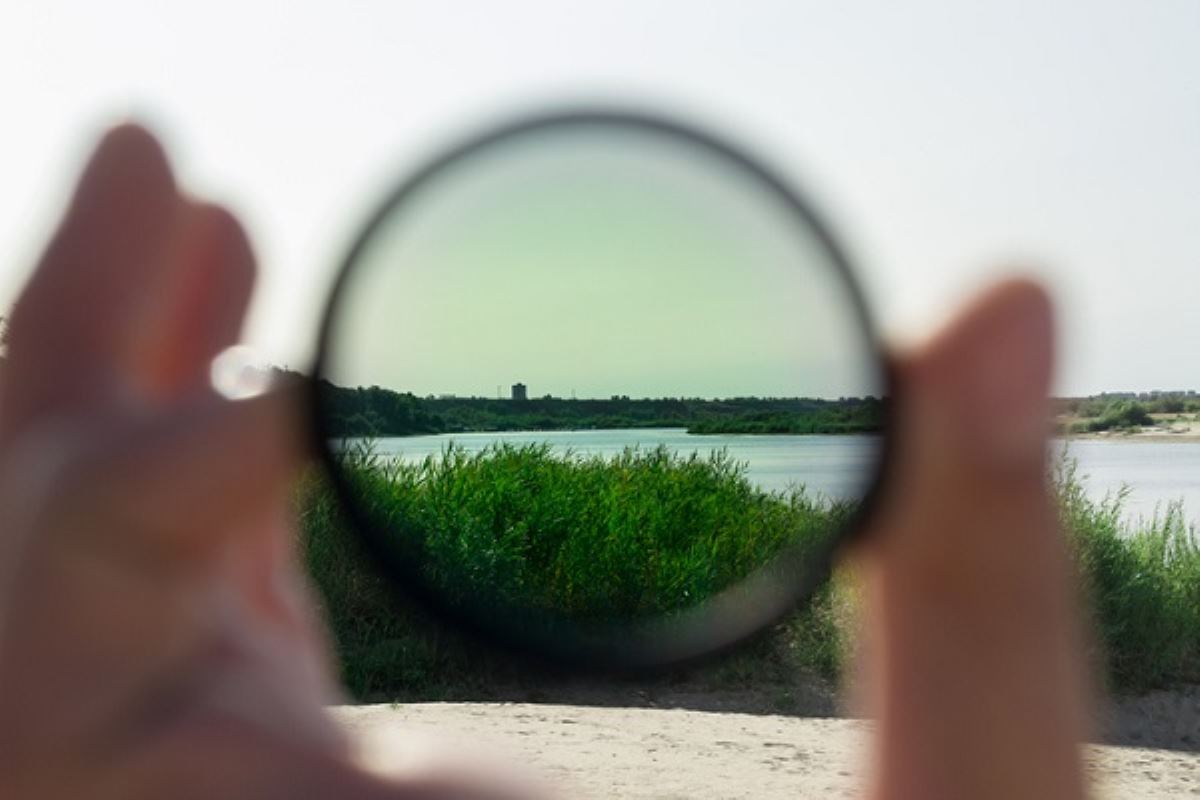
x=156 y=638
x=975 y=667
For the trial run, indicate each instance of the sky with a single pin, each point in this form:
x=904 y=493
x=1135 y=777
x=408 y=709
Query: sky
x=948 y=142
x=593 y=259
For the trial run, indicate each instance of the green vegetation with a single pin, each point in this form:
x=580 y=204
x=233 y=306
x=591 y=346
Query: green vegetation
x=605 y=538
x=1124 y=412
x=851 y=416
x=644 y=533
x=1152 y=402
x=1143 y=581
x=375 y=411
x=1172 y=404
x=1116 y=415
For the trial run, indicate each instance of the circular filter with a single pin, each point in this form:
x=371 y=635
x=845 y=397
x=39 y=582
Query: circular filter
x=602 y=388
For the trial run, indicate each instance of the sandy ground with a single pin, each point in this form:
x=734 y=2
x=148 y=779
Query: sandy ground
x=599 y=752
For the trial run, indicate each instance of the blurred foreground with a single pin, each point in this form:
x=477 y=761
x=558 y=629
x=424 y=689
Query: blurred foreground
x=644 y=753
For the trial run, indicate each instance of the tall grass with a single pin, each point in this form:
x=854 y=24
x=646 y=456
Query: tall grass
x=1142 y=584
x=639 y=534
x=642 y=533
x=648 y=532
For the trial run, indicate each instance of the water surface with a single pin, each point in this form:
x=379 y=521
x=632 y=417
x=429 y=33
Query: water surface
x=1155 y=472
x=835 y=466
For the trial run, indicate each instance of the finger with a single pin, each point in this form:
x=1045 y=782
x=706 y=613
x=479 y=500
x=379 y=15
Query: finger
x=83 y=307
x=989 y=371
x=974 y=421
x=263 y=564
x=177 y=487
x=978 y=662
x=203 y=302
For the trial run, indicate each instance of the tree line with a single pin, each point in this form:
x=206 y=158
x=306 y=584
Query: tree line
x=376 y=411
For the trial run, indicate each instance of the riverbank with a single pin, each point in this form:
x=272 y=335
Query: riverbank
x=1164 y=428
x=1153 y=417
x=647 y=752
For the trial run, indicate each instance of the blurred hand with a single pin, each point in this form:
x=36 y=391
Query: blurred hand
x=156 y=637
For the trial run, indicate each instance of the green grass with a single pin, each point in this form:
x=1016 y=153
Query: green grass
x=650 y=532
x=1142 y=581
x=638 y=535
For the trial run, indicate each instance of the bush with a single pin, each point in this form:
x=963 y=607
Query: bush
x=1121 y=415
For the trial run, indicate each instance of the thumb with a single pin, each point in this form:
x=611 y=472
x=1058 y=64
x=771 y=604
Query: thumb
x=969 y=489
x=977 y=667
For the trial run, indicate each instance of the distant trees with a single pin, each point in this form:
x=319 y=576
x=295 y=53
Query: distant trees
x=1152 y=402
x=375 y=411
x=846 y=415
x=1167 y=405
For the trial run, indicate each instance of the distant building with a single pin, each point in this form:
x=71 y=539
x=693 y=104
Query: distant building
x=519 y=392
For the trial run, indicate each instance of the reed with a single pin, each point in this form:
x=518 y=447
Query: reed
x=648 y=532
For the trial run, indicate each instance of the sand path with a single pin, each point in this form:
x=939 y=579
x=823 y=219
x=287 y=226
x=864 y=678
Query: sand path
x=670 y=753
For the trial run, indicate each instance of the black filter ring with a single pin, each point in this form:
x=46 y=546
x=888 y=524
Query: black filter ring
x=729 y=619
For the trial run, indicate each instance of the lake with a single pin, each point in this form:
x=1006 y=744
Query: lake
x=1156 y=472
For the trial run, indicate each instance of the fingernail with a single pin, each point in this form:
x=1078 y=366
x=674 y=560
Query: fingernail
x=1008 y=368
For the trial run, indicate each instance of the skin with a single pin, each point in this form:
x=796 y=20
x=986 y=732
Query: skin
x=157 y=638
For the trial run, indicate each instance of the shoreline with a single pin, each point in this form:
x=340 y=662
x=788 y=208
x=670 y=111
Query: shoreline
x=1147 y=437
x=1163 y=428
x=1167 y=429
